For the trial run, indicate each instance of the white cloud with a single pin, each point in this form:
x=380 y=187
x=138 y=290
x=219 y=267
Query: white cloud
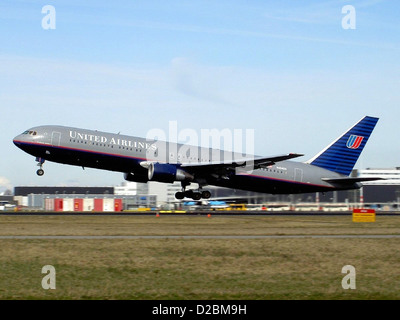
x=5 y=183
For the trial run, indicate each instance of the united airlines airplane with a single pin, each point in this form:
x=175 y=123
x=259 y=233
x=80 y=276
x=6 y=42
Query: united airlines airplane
x=144 y=160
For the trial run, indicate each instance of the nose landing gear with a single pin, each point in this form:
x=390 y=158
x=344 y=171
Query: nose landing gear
x=40 y=171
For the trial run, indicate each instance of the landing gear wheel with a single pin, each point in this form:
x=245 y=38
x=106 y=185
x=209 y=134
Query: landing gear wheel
x=188 y=194
x=206 y=194
x=179 y=195
x=40 y=171
x=196 y=196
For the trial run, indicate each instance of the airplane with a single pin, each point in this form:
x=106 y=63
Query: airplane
x=143 y=160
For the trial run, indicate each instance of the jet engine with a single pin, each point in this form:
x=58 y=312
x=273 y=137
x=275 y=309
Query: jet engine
x=163 y=172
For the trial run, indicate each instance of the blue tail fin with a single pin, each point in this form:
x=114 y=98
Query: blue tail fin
x=341 y=155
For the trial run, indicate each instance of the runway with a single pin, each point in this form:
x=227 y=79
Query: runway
x=193 y=213
x=186 y=227
x=193 y=237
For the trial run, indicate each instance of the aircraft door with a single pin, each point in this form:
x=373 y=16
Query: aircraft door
x=172 y=152
x=298 y=174
x=55 y=138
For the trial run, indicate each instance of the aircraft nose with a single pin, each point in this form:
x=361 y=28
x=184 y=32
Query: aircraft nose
x=17 y=140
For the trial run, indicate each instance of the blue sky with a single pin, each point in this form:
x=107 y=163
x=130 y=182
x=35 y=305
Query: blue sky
x=285 y=69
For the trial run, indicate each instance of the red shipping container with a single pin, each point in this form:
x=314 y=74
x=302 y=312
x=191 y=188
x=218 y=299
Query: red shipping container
x=78 y=204
x=98 y=204
x=117 y=205
x=58 y=205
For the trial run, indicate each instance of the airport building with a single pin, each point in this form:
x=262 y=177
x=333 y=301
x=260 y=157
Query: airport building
x=390 y=176
x=382 y=191
x=126 y=197
x=25 y=191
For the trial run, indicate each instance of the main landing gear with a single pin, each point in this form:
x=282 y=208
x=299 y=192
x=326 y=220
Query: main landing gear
x=40 y=171
x=195 y=195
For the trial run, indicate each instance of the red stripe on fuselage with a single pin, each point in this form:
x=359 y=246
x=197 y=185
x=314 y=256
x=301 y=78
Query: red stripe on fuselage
x=81 y=150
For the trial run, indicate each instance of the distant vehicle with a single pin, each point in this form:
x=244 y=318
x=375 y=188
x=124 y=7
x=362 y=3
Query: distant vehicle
x=5 y=205
x=139 y=159
x=205 y=205
x=217 y=204
x=237 y=206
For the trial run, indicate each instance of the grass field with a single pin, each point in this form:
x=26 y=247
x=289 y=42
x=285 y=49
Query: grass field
x=305 y=268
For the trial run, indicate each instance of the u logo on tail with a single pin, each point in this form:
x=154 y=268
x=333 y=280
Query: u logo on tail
x=354 y=141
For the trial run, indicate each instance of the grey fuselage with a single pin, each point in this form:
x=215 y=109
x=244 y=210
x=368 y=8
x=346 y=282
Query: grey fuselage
x=122 y=153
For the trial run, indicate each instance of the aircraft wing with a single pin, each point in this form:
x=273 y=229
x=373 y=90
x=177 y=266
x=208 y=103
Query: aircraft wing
x=255 y=163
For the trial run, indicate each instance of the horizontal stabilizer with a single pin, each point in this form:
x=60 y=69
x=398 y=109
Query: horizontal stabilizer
x=350 y=180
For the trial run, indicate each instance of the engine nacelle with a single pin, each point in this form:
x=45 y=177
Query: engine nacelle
x=136 y=177
x=163 y=172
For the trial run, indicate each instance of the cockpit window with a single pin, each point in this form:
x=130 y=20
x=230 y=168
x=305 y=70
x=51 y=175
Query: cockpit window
x=30 y=132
